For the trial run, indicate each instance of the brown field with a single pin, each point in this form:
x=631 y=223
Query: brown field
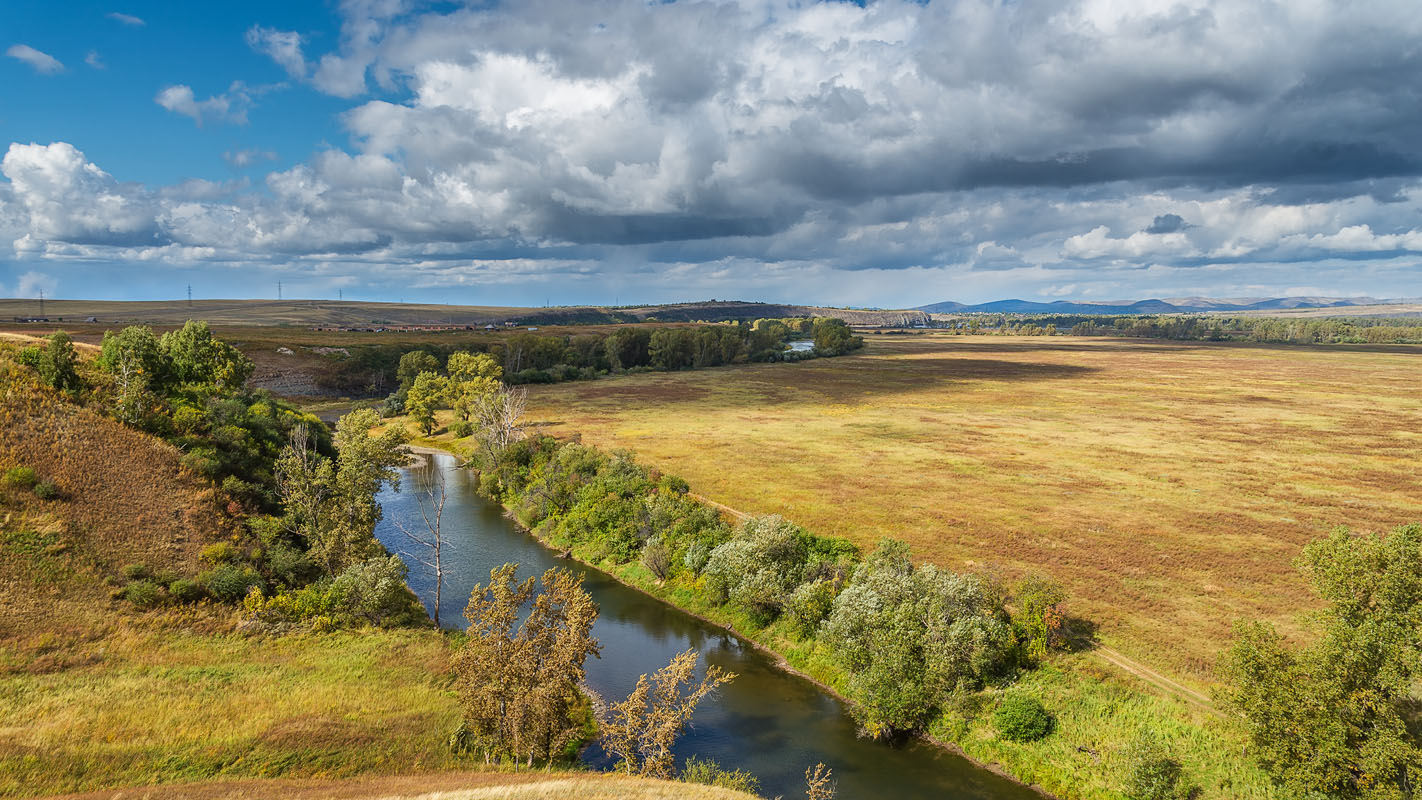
x=1169 y=485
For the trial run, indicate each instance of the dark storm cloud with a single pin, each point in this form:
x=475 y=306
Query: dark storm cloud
x=1167 y=223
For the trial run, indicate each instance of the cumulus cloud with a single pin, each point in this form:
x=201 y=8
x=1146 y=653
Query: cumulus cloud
x=753 y=143
x=65 y=198
x=126 y=19
x=43 y=63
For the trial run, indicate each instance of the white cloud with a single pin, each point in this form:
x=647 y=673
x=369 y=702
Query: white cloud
x=126 y=19
x=32 y=283
x=43 y=63
x=284 y=47
x=65 y=198
x=242 y=159
x=230 y=106
x=93 y=59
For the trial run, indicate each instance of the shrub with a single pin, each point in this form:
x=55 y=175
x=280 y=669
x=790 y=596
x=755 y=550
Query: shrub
x=185 y=591
x=696 y=556
x=20 y=477
x=809 y=604
x=707 y=772
x=46 y=490
x=229 y=582
x=135 y=572
x=1151 y=773
x=291 y=566
x=657 y=558
x=374 y=590
x=219 y=553
x=1021 y=718
x=144 y=594
x=760 y=567
x=461 y=428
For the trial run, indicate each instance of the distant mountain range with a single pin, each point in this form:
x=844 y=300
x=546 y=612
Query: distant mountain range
x=1170 y=305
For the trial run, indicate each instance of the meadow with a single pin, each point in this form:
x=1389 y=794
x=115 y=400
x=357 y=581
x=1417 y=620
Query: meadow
x=1169 y=486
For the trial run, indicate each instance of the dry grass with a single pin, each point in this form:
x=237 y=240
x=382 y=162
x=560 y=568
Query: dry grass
x=1169 y=486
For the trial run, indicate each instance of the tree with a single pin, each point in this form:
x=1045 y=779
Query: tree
x=1151 y=772
x=1331 y=719
x=760 y=567
x=196 y=356
x=640 y=730
x=471 y=377
x=425 y=395
x=518 y=684
x=833 y=337
x=911 y=637
x=431 y=538
x=1040 y=619
x=411 y=365
x=61 y=363
x=499 y=418
x=135 y=359
x=332 y=504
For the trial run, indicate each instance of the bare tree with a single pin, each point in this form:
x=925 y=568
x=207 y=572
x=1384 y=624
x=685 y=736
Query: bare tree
x=431 y=538
x=500 y=417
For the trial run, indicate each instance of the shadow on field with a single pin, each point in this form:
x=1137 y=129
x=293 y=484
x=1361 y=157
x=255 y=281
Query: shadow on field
x=949 y=368
x=1080 y=634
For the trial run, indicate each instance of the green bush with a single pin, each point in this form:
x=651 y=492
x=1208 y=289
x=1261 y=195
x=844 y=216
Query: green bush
x=230 y=582
x=1021 y=718
x=1151 y=772
x=462 y=428
x=185 y=591
x=708 y=773
x=46 y=490
x=135 y=572
x=144 y=594
x=20 y=477
x=291 y=566
x=809 y=604
x=219 y=553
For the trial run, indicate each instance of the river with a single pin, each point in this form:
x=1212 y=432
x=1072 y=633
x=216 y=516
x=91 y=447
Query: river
x=768 y=722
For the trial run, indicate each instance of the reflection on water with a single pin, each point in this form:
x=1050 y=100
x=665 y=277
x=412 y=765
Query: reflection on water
x=766 y=721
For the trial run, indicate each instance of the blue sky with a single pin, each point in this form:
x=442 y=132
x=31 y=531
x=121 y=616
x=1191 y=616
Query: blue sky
x=890 y=153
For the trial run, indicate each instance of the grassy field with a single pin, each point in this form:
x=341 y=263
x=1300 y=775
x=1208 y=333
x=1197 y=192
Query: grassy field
x=1168 y=485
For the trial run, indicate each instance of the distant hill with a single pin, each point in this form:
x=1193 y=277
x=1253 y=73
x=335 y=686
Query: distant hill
x=308 y=313
x=1170 y=305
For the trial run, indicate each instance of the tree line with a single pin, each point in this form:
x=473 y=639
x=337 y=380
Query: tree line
x=1279 y=330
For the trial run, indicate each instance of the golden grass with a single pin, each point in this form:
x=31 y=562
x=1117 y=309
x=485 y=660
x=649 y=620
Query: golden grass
x=1168 y=485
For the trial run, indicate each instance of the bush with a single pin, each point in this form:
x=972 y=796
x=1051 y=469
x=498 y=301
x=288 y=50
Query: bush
x=696 y=557
x=461 y=428
x=144 y=594
x=374 y=591
x=290 y=566
x=229 y=582
x=135 y=572
x=809 y=604
x=185 y=591
x=656 y=557
x=708 y=773
x=20 y=477
x=1151 y=773
x=46 y=490
x=1021 y=718
x=760 y=567
x=219 y=553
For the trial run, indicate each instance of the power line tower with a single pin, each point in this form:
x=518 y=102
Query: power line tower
x=41 y=291
x=190 y=295
x=278 y=290
x=341 y=294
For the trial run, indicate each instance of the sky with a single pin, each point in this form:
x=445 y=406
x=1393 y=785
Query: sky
x=888 y=154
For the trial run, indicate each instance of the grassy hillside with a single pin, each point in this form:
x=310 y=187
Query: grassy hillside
x=1168 y=485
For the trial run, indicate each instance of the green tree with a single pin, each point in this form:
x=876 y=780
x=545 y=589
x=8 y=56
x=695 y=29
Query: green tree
x=1040 y=621
x=135 y=359
x=411 y=365
x=425 y=396
x=471 y=377
x=196 y=356
x=833 y=337
x=1330 y=719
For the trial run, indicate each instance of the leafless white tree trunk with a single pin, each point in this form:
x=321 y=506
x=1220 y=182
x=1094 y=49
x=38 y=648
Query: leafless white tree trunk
x=500 y=416
x=430 y=496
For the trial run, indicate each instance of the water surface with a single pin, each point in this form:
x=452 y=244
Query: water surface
x=766 y=721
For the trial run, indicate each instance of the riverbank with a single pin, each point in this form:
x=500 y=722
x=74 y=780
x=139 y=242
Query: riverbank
x=1098 y=711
